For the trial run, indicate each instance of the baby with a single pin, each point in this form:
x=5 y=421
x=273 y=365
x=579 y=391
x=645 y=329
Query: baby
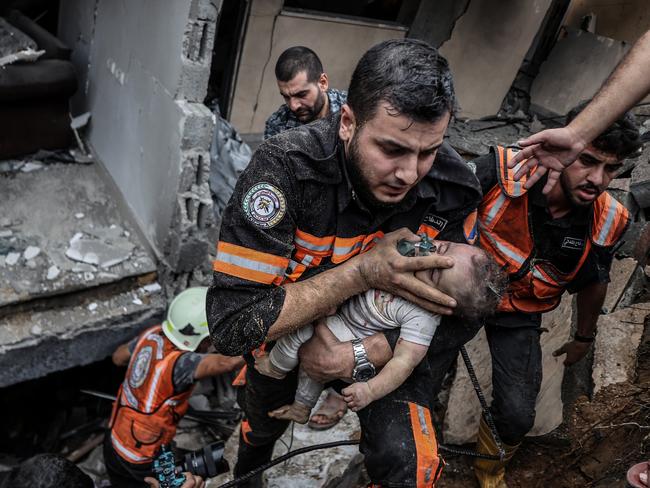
x=475 y=282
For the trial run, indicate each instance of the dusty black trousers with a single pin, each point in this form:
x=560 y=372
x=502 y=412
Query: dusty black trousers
x=398 y=439
x=516 y=376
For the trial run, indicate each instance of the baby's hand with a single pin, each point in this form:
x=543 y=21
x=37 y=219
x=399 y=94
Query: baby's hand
x=357 y=396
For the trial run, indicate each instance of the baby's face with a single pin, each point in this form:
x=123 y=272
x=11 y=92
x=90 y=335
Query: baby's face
x=451 y=280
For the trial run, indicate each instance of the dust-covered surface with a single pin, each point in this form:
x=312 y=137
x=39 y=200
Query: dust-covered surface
x=71 y=217
x=595 y=446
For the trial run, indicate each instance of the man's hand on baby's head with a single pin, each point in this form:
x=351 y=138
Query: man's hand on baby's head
x=384 y=268
x=357 y=396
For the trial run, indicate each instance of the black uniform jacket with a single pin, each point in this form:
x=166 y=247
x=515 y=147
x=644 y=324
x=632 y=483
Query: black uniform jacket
x=294 y=213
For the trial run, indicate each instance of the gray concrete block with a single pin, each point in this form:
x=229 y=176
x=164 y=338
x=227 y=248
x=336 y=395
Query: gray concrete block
x=36 y=343
x=196 y=125
x=205 y=9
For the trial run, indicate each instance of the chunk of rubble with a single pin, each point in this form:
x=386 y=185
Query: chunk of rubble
x=31 y=166
x=105 y=253
x=31 y=252
x=12 y=258
x=137 y=301
x=30 y=263
x=79 y=215
x=6 y=233
x=92 y=307
x=616 y=345
x=53 y=272
x=152 y=288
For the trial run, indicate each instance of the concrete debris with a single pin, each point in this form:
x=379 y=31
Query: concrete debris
x=83 y=268
x=137 y=301
x=80 y=121
x=36 y=330
x=12 y=258
x=620 y=274
x=31 y=166
x=152 y=288
x=5 y=222
x=31 y=252
x=104 y=254
x=576 y=67
x=79 y=215
x=30 y=263
x=92 y=307
x=615 y=348
x=26 y=56
x=53 y=272
x=6 y=233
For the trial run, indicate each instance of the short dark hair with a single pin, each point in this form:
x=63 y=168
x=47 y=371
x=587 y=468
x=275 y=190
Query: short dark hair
x=485 y=287
x=408 y=74
x=622 y=138
x=48 y=471
x=296 y=59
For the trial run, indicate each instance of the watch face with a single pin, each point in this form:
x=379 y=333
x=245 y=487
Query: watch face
x=363 y=373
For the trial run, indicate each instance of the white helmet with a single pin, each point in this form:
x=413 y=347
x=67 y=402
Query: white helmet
x=187 y=324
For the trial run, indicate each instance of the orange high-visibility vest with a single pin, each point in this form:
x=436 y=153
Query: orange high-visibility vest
x=505 y=232
x=147 y=410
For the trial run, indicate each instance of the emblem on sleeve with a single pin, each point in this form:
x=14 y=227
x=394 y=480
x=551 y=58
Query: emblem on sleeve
x=264 y=205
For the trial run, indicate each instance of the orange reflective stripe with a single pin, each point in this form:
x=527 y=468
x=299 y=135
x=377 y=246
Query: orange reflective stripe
x=346 y=247
x=610 y=220
x=426 y=446
x=245 y=430
x=318 y=246
x=240 y=379
x=470 y=228
x=428 y=230
x=250 y=264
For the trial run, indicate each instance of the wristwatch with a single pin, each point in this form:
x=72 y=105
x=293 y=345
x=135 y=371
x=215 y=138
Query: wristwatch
x=363 y=368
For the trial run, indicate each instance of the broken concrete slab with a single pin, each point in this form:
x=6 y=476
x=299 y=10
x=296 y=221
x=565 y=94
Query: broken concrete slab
x=482 y=74
x=336 y=467
x=615 y=348
x=620 y=274
x=81 y=330
x=96 y=252
x=575 y=70
x=39 y=209
x=463 y=409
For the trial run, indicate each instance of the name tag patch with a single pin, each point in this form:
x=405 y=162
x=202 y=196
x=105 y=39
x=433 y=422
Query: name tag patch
x=573 y=243
x=436 y=222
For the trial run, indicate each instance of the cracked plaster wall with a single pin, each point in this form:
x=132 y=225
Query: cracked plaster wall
x=146 y=66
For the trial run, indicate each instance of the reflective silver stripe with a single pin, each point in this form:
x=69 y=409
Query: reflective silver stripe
x=516 y=191
x=511 y=254
x=423 y=422
x=495 y=208
x=133 y=457
x=313 y=247
x=609 y=220
x=130 y=397
x=307 y=260
x=224 y=257
x=148 y=407
x=292 y=267
x=159 y=344
x=342 y=251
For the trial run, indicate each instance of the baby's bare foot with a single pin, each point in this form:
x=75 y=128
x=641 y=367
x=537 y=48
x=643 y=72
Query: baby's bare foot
x=264 y=366
x=297 y=412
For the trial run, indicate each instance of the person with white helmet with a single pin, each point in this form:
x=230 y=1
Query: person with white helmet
x=163 y=362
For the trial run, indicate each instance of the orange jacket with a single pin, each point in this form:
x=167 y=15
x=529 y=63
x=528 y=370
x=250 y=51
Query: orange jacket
x=147 y=409
x=505 y=232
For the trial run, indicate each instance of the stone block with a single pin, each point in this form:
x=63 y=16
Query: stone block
x=198 y=42
x=205 y=9
x=620 y=274
x=196 y=125
x=463 y=409
x=615 y=348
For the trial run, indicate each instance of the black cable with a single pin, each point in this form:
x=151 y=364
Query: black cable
x=486 y=409
x=284 y=457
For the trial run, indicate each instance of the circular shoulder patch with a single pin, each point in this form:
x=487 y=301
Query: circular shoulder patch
x=140 y=367
x=264 y=205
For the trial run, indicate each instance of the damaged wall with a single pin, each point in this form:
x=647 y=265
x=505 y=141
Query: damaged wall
x=147 y=64
x=338 y=42
x=488 y=45
x=624 y=20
